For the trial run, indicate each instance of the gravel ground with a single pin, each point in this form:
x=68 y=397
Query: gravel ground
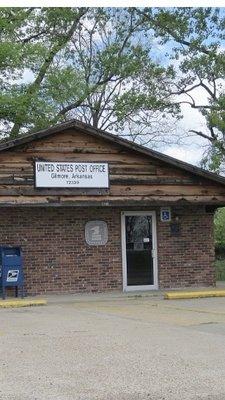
x=109 y=348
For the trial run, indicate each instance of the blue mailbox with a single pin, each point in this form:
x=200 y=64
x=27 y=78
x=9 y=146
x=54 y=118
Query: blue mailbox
x=11 y=268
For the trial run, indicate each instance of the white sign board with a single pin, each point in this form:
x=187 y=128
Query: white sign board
x=71 y=175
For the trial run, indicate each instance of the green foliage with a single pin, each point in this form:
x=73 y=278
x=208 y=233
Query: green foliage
x=31 y=39
x=196 y=39
x=72 y=57
x=219 y=233
x=220 y=269
x=103 y=65
x=219 y=223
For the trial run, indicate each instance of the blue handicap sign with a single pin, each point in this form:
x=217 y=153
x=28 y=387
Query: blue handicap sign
x=165 y=214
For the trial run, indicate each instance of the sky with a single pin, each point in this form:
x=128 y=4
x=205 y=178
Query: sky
x=192 y=150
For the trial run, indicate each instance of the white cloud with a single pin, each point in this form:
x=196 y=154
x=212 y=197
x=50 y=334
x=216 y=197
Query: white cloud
x=191 y=147
x=190 y=155
x=28 y=76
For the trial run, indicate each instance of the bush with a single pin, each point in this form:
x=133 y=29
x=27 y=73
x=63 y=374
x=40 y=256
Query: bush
x=219 y=222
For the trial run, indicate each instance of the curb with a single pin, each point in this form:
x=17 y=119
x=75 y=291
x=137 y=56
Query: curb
x=22 y=303
x=194 y=294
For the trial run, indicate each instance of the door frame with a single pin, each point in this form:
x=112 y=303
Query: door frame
x=127 y=288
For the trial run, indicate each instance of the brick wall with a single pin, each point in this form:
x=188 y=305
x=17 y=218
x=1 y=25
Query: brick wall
x=187 y=259
x=57 y=258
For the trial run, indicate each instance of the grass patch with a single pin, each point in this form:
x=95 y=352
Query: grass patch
x=220 y=269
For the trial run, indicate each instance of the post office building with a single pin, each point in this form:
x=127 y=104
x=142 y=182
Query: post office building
x=93 y=212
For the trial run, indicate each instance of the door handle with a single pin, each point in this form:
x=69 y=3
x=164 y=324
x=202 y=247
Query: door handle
x=153 y=253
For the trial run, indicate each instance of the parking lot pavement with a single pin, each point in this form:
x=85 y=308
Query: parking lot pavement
x=114 y=348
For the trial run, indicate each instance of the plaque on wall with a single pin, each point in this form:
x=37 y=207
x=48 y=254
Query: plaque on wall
x=165 y=214
x=96 y=233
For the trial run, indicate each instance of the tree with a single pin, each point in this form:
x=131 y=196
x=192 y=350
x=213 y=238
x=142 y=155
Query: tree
x=91 y=63
x=115 y=48
x=195 y=39
x=103 y=65
x=31 y=40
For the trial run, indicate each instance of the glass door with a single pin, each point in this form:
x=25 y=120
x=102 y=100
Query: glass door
x=139 y=251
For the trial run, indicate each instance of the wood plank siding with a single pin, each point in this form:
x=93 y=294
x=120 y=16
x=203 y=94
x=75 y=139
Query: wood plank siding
x=134 y=177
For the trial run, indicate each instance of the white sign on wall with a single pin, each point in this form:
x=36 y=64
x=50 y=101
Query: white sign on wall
x=71 y=175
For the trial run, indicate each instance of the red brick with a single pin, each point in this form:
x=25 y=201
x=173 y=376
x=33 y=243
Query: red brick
x=57 y=258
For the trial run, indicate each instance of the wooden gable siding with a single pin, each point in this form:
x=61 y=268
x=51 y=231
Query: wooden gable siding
x=133 y=176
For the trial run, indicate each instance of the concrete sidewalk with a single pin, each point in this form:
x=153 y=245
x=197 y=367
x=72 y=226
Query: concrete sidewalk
x=118 y=348
x=119 y=295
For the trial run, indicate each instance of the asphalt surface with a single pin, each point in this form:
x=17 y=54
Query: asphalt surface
x=89 y=348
